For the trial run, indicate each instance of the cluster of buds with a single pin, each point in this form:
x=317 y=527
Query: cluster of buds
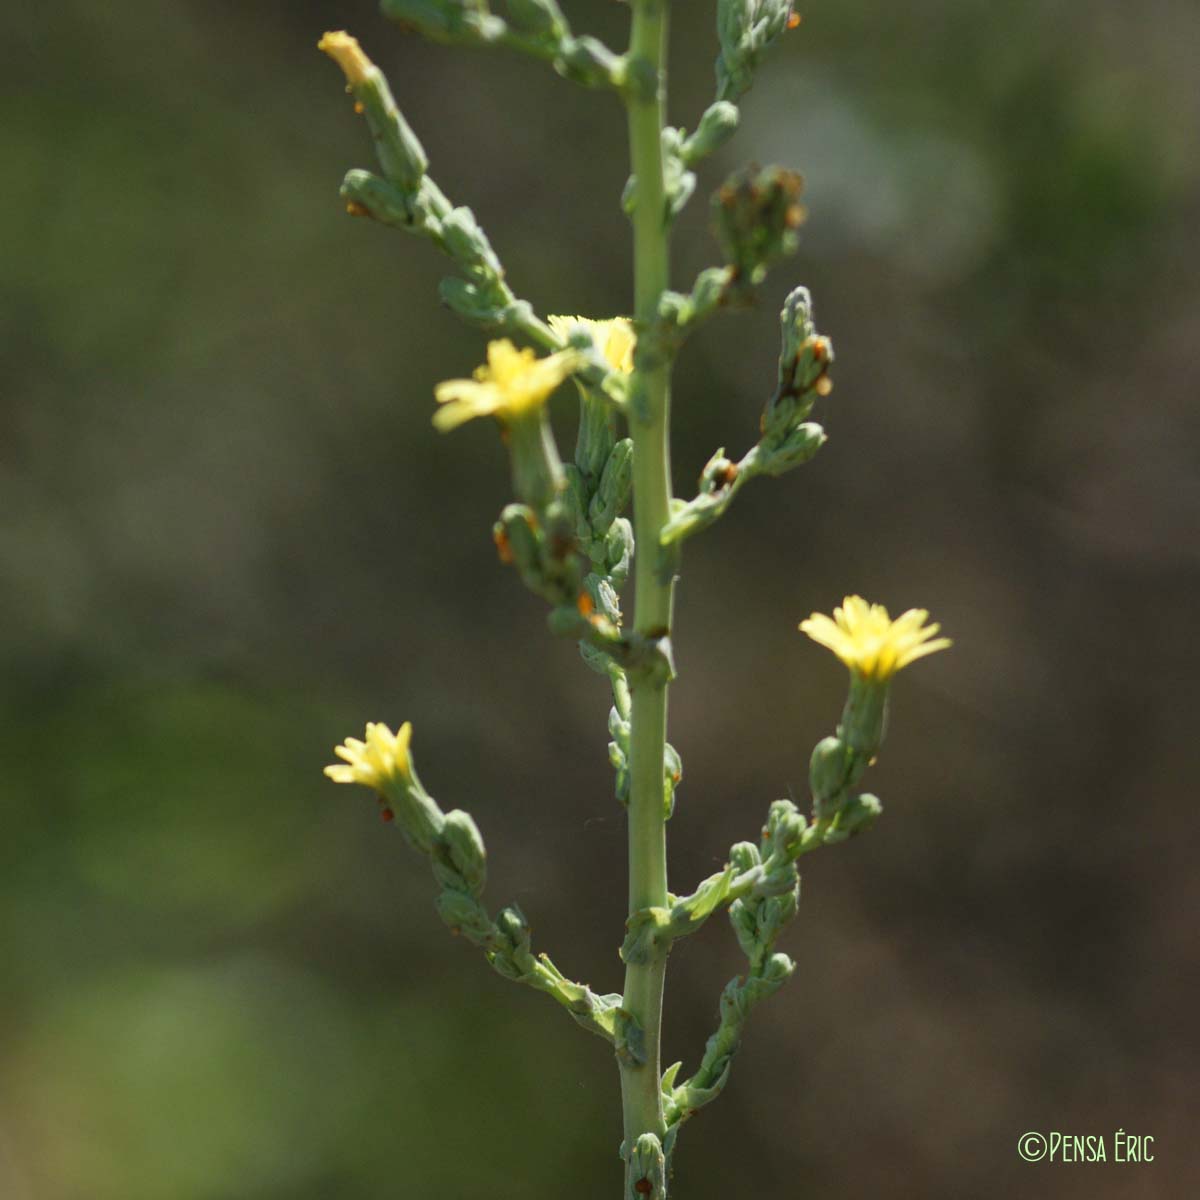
x=787 y=438
x=405 y=196
x=537 y=27
x=747 y=30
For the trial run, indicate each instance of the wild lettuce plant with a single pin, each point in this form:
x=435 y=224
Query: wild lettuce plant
x=566 y=534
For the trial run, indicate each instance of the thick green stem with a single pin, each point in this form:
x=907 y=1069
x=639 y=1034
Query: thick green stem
x=654 y=566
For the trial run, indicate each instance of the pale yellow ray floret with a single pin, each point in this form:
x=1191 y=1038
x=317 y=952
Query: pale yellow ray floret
x=383 y=757
x=348 y=55
x=511 y=383
x=614 y=338
x=869 y=642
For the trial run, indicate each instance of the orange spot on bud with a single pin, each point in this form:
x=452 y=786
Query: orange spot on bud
x=583 y=602
x=356 y=210
x=503 y=548
x=794 y=19
x=824 y=385
x=388 y=815
x=358 y=107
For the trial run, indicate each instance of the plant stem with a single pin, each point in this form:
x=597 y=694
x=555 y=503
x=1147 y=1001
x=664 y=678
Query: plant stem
x=654 y=567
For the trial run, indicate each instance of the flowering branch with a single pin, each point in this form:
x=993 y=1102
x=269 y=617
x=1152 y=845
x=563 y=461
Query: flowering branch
x=567 y=537
x=453 y=844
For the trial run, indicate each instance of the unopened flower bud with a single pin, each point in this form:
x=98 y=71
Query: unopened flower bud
x=587 y=60
x=541 y=17
x=744 y=856
x=459 y=857
x=830 y=773
x=616 y=482
x=797 y=447
x=717 y=126
x=784 y=832
x=464 y=914
x=445 y=20
x=856 y=816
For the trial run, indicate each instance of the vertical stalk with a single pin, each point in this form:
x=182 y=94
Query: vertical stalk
x=654 y=569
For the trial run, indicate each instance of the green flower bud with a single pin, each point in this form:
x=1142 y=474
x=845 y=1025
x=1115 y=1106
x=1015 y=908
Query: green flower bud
x=459 y=857
x=541 y=17
x=647 y=1174
x=743 y=917
x=479 y=304
x=464 y=914
x=856 y=816
x=672 y=774
x=757 y=213
x=468 y=245
x=616 y=483
x=445 y=20
x=709 y=291
x=784 y=832
x=369 y=195
x=775 y=912
x=830 y=772
x=777 y=971
x=797 y=447
x=717 y=126
x=586 y=60
x=744 y=856
x=517 y=538
x=618 y=545
x=597 y=430
x=804 y=361
x=511 y=956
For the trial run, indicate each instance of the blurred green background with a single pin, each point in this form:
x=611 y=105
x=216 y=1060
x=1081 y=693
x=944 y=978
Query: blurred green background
x=230 y=536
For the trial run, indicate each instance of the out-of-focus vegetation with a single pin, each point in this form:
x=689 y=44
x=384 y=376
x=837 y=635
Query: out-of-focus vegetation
x=222 y=978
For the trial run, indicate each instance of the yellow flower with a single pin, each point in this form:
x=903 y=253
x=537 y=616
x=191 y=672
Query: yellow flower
x=614 y=338
x=348 y=54
x=382 y=758
x=513 y=382
x=869 y=642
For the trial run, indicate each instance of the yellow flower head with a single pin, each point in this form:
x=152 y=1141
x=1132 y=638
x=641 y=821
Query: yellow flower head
x=869 y=642
x=383 y=757
x=348 y=55
x=513 y=382
x=614 y=338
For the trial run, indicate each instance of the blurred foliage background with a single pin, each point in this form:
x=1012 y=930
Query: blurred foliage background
x=230 y=536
